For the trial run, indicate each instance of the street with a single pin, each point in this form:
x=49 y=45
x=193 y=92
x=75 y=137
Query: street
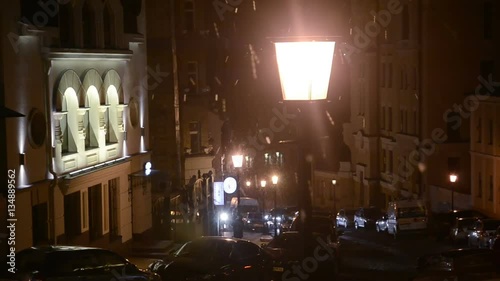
x=366 y=254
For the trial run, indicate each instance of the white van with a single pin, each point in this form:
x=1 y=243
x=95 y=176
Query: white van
x=406 y=216
x=247 y=204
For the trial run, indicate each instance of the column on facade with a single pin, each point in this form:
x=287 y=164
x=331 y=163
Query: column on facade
x=82 y=131
x=102 y=124
x=58 y=133
x=119 y=112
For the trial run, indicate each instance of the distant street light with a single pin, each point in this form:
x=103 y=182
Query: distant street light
x=248 y=183
x=453 y=179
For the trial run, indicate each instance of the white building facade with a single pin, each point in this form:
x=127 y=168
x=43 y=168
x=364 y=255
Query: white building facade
x=77 y=70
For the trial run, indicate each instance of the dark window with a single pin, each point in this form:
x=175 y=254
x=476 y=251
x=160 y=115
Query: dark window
x=195 y=136
x=66 y=25
x=487 y=68
x=382 y=116
x=109 y=28
x=192 y=77
x=454 y=164
x=479 y=185
x=189 y=17
x=490 y=132
x=488 y=20
x=382 y=75
x=490 y=194
x=389 y=83
x=479 y=130
x=405 y=23
x=452 y=132
x=390 y=118
x=72 y=214
x=39 y=13
x=88 y=26
x=131 y=10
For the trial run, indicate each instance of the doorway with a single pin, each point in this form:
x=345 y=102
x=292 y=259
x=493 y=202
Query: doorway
x=39 y=224
x=95 y=211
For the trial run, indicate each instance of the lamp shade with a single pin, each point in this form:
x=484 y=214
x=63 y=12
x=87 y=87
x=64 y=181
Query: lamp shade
x=334 y=182
x=237 y=160
x=274 y=179
x=304 y=69
x=453 y=178
x=263 y=183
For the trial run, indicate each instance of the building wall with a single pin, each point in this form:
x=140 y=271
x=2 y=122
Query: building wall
x=47 y=78
x=419 y=81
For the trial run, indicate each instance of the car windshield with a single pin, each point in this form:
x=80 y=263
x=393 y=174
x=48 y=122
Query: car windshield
x=205 y=248
x=411 y=212
x=255 y=216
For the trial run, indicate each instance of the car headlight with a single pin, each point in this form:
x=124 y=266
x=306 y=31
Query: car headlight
x=224 y=216
x=278 y=218
x=266 y=217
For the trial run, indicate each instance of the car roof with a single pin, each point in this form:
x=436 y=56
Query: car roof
x=221 y=238
x=62 y=248
x=462 y=252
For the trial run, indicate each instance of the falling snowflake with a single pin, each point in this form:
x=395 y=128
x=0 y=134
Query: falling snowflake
x=227 y=58
x=216 y=30
x=254 y=6
x=217 y=80
x=254 y=60
x=236 y=82
x=330 y=118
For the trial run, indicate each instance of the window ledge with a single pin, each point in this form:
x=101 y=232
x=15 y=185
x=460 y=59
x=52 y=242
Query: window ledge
x=87 y=54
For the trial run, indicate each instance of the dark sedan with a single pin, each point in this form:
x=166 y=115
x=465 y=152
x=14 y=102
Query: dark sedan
x=298 y=258
x=215 y=258
x=76 y=263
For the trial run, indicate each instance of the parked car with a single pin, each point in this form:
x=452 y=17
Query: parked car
x=345 y=217
x=381 y=224
x=494 y=240
x=76 y=263
x=215 y=258
x=481 y=231
x=457 y=264
x=461 y=229
x=366 y=217
x=440 y=223
x=253 y=221
x=320 y=225
x=289 y=250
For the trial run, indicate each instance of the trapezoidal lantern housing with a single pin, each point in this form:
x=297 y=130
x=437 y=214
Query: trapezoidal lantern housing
x=304 y=68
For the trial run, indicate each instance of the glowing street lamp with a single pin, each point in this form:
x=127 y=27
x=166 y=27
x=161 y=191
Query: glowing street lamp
x=304 y=66
x=453 y=179
x=304 y=69
x=263 y=183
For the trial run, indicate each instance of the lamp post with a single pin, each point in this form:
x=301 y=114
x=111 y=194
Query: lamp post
x=453 y=179
x=334 y=183
x=274 y=179
x=263 y=185
x=238 y=224
x=304 y=66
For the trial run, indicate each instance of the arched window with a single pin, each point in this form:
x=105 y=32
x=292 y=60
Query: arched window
x=88 y=26
x=112 y=101
x=109 y=27
x=92 y=83
x=69 y=123
x=66 y=32
x=92 y=118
